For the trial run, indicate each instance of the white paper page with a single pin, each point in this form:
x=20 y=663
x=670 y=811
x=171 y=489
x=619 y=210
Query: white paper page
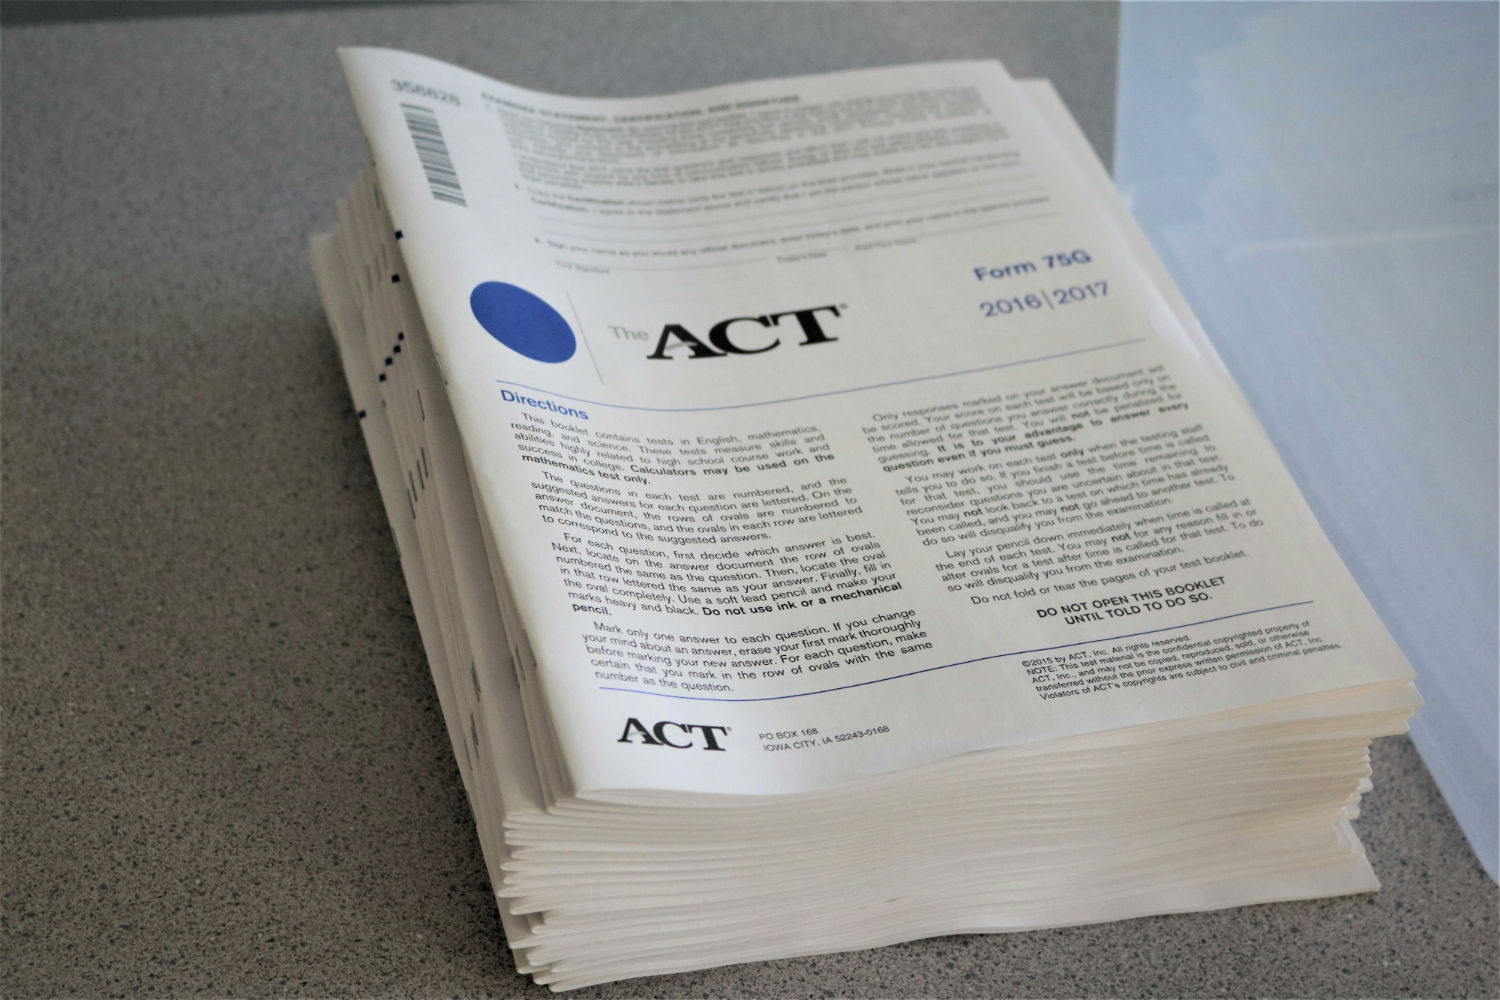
x=830 y=426
x=1371 y=267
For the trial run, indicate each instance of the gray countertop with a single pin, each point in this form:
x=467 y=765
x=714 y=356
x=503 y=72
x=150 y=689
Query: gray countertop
x=225 y=772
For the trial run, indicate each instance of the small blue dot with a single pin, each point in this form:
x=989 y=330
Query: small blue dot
x=523 y=322
x=395 y=277
x=361 y=414
x=398 y=234
x=382 y=376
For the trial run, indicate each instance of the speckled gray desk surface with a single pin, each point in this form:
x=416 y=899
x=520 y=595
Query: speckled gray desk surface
x=224 y=769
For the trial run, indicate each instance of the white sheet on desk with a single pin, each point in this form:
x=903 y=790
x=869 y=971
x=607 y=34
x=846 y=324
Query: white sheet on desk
x=1320 y=179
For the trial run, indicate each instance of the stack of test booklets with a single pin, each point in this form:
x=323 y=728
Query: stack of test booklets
x=827 y=524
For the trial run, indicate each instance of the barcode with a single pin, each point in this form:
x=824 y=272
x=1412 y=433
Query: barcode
x=427 y=136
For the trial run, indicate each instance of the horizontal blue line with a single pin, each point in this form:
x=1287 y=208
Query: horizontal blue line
x=960 y=663
x=834 y=392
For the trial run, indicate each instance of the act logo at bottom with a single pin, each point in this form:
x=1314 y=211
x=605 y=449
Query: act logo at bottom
x=681 y=739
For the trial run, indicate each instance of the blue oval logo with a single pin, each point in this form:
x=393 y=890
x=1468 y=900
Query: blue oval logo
x=522 y=322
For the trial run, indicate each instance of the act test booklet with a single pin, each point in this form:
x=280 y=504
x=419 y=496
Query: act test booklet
x=827 y=427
